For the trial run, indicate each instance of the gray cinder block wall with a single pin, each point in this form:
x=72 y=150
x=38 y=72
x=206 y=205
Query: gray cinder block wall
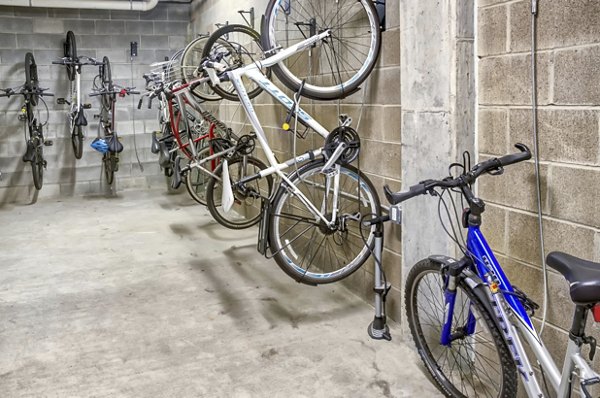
x=376 y=106
x=159 y=32
x=569 y=119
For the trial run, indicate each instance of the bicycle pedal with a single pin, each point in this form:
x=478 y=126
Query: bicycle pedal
x=96 y=116
x=87 y=106
x=62 y=101
x=48 y=143
x=22 y=117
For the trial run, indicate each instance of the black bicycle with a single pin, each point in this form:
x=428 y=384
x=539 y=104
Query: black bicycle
x=34 y=135
x=107 y=142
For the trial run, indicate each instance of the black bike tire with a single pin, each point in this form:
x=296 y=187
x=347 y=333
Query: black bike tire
x=37 y=166
x=509 y=376
x=210 y=192
x=293 y=82
x=278 y=251
x=197 y=92
x=216 y=36
x=77 y=141
x=71 y=54
x=109 y=171
x=107 y=99
x=31 y=77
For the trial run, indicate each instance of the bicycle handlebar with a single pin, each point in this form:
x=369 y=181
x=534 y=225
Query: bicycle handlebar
x=8 y=92
x=78 y=62
x=462 y=180
x=122 y=92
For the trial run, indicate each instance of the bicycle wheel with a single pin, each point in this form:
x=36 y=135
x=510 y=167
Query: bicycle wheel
x=236 y=46
x=305 y=247
x=190 y=62
x=31 y=78
x=196 y=180
x=37 y=164
x=110 y=166
x=336 y=66
x=106 y=76
x=474 y=365
x=245 y=211
x=71 y=54
x=77 y=141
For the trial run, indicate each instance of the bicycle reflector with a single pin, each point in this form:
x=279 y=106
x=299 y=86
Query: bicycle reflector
x=596 y=312
x=100 y=145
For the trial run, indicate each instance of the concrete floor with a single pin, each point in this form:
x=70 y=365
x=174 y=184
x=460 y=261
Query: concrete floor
x=144 y=295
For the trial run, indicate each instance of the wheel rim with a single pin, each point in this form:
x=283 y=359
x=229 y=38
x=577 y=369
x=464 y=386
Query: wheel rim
x=304 y=246
x=460 y=366
x=245 y=211
x=355 y=31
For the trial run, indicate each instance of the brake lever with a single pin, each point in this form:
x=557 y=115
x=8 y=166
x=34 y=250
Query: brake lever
x=497 y=172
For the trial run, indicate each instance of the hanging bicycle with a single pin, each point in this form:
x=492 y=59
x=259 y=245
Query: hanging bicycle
x=34 y=128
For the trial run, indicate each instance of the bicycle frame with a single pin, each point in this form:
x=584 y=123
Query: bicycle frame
x=515 y=322
x=253 y=73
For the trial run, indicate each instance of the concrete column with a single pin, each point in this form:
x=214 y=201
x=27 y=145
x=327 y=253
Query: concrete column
x=436 y=53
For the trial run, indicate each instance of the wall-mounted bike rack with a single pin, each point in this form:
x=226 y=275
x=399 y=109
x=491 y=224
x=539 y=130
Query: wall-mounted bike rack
x=251 y=16
x=380 y=6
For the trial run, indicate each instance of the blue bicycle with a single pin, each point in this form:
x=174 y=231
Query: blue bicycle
x=468 y=322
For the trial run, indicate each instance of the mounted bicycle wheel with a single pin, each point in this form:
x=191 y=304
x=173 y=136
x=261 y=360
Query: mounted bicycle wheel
x=236 y=46
x=476 y=364
x=70 y=53
x=190 y=62
x=37 y=165
x=77 y=141
x=246 y=210
x=106 y=76
x=334 y=67
x=196 y=180
x=304 y=246
x=109 y=161
x=31 y=78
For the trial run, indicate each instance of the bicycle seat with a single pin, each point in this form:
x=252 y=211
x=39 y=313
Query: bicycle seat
x=583 y=276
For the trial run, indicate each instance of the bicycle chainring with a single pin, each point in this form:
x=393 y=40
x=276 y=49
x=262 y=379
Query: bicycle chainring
x=348 y=136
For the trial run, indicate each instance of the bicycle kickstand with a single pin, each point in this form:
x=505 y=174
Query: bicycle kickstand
x=378 y=329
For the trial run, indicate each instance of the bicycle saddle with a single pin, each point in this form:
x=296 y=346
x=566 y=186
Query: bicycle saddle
x=583 y=276
x=114 y=145
x=81 y=120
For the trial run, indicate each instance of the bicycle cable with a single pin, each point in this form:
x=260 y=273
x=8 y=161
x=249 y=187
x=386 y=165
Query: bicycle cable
x=536 y=152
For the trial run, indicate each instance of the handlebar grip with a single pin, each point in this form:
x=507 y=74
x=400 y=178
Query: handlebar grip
x=150 y=102
x=58 y=62
x=398 y=197
x=94 y=94
x=525 y=154
x=133 y=92
x=46 y=95
x=141 y=101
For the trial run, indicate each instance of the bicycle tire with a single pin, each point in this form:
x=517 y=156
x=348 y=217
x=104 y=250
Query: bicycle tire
x=249 y=50
x=470 y=382
x=190 y=62
x=71 y=54
x=77 y=141
x=330 y=75
x=339 y=261
x=244 y=204
x=196 y=180
x=31 y=78
x=37 y=165
x=106 y=76
x=109 y=167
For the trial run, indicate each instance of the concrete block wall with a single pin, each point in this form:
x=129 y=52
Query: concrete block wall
x=569 y=120
x=159 y=32
x=376 y=106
